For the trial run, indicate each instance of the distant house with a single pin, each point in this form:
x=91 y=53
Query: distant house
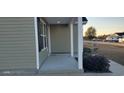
x=116 y=37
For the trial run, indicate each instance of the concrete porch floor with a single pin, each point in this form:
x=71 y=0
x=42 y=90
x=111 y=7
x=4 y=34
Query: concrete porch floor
x=59 y=63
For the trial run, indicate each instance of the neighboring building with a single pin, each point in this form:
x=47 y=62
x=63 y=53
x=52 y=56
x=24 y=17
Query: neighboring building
x=121 y=40
x=116 y=37
x=25 y=42
x=121 y=37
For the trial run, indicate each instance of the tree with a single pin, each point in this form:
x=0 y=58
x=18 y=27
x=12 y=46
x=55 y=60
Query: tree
x=90 y=33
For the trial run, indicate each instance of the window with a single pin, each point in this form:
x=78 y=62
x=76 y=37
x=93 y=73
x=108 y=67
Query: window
x=42 y=33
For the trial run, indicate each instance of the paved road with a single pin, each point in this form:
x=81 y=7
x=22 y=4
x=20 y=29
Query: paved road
x=112 y=51
x=107 y=43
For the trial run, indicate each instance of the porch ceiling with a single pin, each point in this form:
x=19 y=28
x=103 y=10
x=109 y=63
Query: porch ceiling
x=63 y=20
x=58 y=20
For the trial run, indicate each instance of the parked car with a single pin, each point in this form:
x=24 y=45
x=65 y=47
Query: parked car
x=112 y=39
x=96 y=39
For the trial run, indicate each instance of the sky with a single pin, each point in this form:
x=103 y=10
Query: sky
x=105 y=25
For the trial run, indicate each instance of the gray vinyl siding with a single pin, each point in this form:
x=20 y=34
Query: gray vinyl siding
x=17 y=43
x=60 y=38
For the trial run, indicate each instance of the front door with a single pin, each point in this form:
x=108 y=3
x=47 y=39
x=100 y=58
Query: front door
x=60 y=39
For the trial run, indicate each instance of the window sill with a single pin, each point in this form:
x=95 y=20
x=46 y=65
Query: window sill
x=44 y=49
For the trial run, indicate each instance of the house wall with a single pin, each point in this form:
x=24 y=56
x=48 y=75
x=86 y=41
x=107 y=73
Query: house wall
x=43 y=55
x=60 y=38
x=17 y=43
x=75 y=40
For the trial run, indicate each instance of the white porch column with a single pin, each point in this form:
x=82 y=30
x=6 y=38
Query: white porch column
x=80 y=43
x=36 y=42
x=49 y=40
x=71 y=39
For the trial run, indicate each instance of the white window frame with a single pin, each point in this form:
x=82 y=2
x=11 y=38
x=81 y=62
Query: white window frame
x=45 y=38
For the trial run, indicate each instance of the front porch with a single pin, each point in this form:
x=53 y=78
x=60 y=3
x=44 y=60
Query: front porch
x=59 y=35
x=59 y=64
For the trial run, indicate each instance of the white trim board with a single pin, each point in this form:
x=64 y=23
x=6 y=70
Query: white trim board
x=36 y=42
x=71 y=39
x=49 y=40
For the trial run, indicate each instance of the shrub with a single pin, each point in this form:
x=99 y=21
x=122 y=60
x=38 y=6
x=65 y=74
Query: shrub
x=96 y=63
x=87 y=51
